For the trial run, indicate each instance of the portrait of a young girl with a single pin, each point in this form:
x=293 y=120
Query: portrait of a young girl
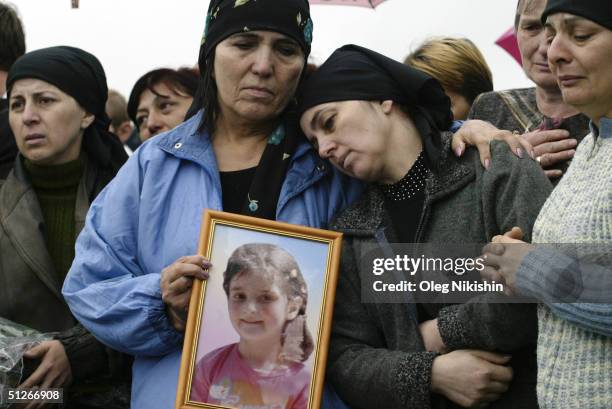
x=266 y=298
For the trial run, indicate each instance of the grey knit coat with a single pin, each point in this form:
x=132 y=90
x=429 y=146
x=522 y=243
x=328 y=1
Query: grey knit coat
x=376 y=357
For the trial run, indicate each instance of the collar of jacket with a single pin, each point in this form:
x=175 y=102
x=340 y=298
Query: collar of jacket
x=368 y=215
x=22 y=220
x=305 y=167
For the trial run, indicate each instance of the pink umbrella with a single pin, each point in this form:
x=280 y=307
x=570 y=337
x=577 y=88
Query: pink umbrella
x=508 y=42
x=361 y=3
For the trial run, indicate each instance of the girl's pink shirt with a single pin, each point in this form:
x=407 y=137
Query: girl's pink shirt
x=223 y=377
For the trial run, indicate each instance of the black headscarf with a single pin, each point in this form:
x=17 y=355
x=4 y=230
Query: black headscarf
x=356 y=73
x=599 y=11
x=80 y=75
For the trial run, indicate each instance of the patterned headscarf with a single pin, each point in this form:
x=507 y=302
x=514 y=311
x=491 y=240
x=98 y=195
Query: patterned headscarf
x=227 y=17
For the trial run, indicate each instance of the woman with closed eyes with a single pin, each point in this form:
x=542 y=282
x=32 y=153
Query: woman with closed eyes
x=383 y=122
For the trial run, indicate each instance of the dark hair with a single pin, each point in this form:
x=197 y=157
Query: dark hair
x=206 y=95
x=273 y=260
x=12 y=38
x=181 y=81
x=456 y=63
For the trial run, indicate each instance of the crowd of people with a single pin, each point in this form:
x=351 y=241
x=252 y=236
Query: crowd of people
x=101 y=200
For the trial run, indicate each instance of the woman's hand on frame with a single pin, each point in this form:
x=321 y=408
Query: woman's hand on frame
x=176 y=283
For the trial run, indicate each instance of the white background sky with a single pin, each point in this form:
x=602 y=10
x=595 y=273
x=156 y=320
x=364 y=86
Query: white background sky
x=131 y=37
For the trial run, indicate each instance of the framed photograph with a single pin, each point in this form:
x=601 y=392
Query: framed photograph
x=258 y=329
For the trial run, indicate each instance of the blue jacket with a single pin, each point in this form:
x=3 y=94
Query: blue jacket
x=149 y=216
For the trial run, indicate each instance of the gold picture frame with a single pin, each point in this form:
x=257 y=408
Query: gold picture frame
x=216 y=368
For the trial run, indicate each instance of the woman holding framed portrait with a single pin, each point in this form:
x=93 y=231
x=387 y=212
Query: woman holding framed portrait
x=240 y=152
